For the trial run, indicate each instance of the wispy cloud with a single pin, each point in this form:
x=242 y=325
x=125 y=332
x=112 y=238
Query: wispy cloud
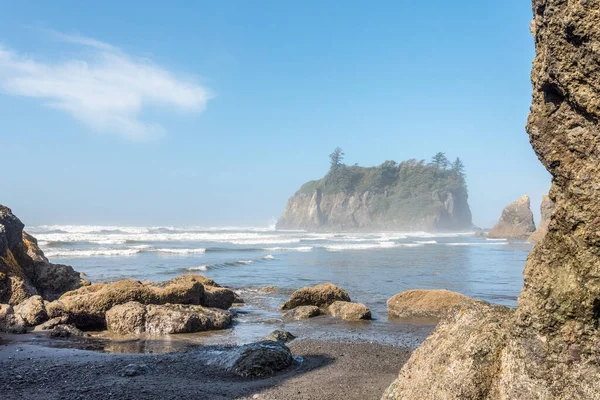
x=105 y=89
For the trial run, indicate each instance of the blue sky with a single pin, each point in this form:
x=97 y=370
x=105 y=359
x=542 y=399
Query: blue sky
x=215 y=113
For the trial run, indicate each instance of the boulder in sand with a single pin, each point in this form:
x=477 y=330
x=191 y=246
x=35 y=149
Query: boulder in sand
x=349 y=311
x=302 y=312
x=65 y=331
x=280 y=336
x=137 y=318
x=516 y=221
x=259 y=359
x=320 y=296
x=421 y=303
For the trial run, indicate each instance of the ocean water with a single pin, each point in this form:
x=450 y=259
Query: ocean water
x=372 y=267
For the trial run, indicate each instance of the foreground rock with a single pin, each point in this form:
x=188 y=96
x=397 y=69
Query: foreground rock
x=516 y=221
x=137 y=318
x=259 y=359
x=549 y=347
x=86 y=307
x=458 y=360
x=547 y=208
x=320 y=296
x=349 y=311
x=302 y=312
x=32 y=310
x=421 y=303
x=11 y=322
x=24 y=271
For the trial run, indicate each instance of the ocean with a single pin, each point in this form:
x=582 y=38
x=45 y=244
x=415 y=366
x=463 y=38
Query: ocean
x=372 y=267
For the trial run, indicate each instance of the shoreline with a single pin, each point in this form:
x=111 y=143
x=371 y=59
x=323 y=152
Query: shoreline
x=328 y=369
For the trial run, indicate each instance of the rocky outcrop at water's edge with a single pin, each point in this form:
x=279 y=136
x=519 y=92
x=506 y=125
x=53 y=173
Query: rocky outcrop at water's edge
x=549 y=347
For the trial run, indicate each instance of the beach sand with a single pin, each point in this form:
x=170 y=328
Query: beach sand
x=329 y=370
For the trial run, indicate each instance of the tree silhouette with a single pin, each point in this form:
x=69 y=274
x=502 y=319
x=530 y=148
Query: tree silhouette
x=336 y=158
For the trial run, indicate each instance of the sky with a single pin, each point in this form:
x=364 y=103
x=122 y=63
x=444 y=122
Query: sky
x=214 y=113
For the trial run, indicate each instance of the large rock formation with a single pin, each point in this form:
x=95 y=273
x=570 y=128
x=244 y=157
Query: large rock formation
x=406 y=197
x=24 y=271
x=547 y=208
x=549 y=347
x=516 y=221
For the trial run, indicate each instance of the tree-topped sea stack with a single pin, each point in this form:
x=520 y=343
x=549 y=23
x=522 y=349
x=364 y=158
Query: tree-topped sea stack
x=549 y=347
x=409 y=196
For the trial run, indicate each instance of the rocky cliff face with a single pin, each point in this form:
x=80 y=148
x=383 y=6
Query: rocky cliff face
x=549 y=347
x=516 y=221
x=547 y=208
x=398 y=205
x=24 y=271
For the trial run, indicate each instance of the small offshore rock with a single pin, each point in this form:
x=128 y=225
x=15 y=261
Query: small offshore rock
x=421 y=303
x=349 y=311
x=280 y=335
x=268 y=290
x=320 y=296
x=516 y=221
x=301 y=312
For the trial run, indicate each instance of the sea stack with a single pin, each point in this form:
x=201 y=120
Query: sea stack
x=549 y=347
x=546 y=209
x=516 y=221
x=406 y=196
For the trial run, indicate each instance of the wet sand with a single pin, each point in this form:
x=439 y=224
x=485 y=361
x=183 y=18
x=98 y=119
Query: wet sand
x=329 y=369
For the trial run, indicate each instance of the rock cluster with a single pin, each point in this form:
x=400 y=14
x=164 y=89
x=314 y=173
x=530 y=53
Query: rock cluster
x=516 y=221
x=547 y=208
x=325 y=298
x=549 y=347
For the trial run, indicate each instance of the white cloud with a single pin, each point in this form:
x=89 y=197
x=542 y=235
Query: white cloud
x=106 y=90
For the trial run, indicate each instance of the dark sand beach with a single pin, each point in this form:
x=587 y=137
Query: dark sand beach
x=325 y=370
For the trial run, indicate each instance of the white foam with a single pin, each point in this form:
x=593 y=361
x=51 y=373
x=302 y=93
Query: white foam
x=180 y=251
x=199 y=268
x=57 y=253
x=474 y=244
x=301 y=249
x=496 y=240
x=426 y=242
x=360 y=246
x=268 y=257
x=244 y=262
